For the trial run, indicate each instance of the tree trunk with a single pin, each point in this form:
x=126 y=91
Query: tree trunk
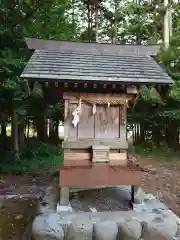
x=156 y=135
x=41 y=127
x=112 y=33
x=97 y=23
x=51 y=130
x=115 y=31
x=89 y=22
x=56 y=131
x=174 y=135
x=73 y=18
x=142 y=135
x=28 y=129
x=115 y=22
x=15 y=135
x=3 y=129
x=4 y=139
x=21 y=135
x=166 y=25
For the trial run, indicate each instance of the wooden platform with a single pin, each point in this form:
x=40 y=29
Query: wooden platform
x=99 y=174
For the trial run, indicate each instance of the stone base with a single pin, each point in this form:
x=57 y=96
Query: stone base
x=64 y=208
x=151 y=220
x=139 y=195
x=159 y=224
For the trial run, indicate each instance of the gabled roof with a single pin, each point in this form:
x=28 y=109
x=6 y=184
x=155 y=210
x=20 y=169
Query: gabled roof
x=98 y=48
x=64 y=60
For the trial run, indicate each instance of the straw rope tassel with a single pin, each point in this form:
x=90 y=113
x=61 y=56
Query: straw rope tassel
x=94 y=109
x=76 y=114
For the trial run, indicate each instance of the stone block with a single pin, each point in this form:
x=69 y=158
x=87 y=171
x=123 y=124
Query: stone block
x=106 y=230
x=80 y=229
x=46 y=226
x=130 y=230
x=160 y=228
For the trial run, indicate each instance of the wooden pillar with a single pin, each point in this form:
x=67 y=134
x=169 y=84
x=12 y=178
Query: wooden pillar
x=123 y=122
x=123 y=126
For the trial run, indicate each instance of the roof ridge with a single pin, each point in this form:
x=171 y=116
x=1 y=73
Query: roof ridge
x=114 y=49
x=82 y=42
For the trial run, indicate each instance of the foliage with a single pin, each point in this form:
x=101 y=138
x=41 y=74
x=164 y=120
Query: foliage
x=149 y=149
x=36 y=155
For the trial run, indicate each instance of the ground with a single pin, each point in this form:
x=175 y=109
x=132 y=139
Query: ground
x=163 y=181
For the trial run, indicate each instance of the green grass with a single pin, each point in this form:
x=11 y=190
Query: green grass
x=35 y=156
x=150 y=150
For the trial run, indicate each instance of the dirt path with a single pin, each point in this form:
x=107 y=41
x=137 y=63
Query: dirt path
x=19 y=204
x=165 y=182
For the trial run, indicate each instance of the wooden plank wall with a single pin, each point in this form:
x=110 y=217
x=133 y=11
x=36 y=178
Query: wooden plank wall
x=111 y=128
x=100 y=125
x=105 y=125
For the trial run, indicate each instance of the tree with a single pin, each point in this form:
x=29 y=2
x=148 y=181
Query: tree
x=18 y=19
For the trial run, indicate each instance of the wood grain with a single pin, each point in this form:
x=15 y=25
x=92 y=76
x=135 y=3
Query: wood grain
x=77 y=156
x=86 y=124
x=88 y=143
x=100 y=175
x=85 y=159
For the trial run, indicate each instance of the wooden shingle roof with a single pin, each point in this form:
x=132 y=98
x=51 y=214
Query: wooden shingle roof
x=73 y=61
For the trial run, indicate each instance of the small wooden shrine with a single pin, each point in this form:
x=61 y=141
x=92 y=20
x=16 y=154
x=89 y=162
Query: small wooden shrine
x=98 y=82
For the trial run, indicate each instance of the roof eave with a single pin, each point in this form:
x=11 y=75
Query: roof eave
x=128 y=81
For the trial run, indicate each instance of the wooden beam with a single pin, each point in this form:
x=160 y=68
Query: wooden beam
x=88 y=143
x=132 y=90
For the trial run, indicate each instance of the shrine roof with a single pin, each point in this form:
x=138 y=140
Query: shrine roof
x=74 y=61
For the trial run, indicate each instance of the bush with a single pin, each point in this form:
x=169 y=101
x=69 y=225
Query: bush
x=149 y=149
x=35 y=155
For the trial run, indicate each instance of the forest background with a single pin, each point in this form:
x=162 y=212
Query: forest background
x=29 y=124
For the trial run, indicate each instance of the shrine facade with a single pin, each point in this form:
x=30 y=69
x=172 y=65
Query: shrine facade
x=98 y=82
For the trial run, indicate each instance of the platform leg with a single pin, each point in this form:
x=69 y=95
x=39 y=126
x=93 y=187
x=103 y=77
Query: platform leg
x=64 y=196
x=64 y=203
x=132 y=196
